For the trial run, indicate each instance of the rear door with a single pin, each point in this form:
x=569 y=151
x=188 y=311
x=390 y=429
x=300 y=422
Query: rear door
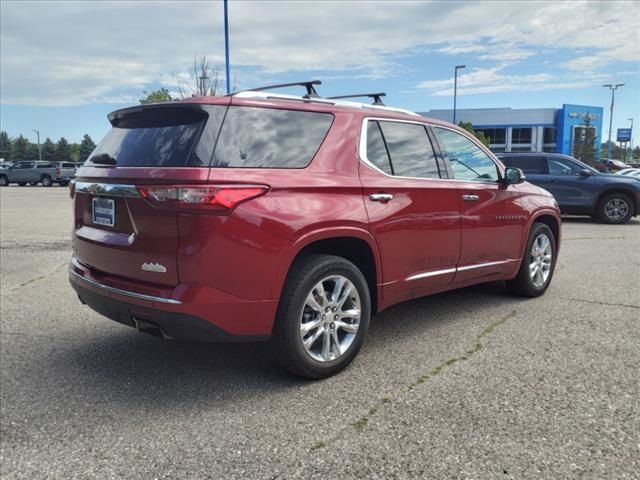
x=492 y=217
x=117 y=231
x=413 y=213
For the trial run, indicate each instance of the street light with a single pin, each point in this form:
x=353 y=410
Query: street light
x=455 y=89
x=226 y=45
x=39 y=149
x=613 y=89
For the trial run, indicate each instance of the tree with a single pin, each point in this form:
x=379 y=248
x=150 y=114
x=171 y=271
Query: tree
x=48 y=150
x=6 y=149
x=479 y=135
x=157 y=96
x=63 y=150
x=203 y=80
x=584 y=142
x=615 y=150
x=86 y=147
x=74 y=151
x=21 y=148
x=32 y=152
x=636 y=153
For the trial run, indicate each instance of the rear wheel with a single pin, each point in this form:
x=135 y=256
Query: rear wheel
x=3 y=181
x=538 y=263
x=615 y=208
x=323 y=316
x=46 y=181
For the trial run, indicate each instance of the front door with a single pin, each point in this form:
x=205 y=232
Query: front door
x=493 y=221
x=413 y=214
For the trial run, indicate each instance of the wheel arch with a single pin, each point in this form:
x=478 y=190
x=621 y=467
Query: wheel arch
x=356 y=245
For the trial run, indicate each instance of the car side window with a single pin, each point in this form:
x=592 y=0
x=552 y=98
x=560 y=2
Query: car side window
x=24 y=165
x=468 y=162
x=560 y=166
x=410 y=150
x=529 y=164
x=376 y=150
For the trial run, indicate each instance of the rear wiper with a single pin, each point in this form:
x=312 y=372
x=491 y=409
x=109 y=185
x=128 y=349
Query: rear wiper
x=104 y=159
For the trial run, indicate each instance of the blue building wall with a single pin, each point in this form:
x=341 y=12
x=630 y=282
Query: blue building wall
x=570 y=116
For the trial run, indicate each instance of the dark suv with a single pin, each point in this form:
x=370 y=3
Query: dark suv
x=261 y=215
x=578 y=188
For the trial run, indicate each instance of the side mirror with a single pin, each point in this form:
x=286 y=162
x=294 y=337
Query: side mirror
x=513 y=176
x=585 y=172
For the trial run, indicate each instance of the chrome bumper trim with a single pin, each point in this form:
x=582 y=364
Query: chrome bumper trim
x=139 y=296
x=108 y=189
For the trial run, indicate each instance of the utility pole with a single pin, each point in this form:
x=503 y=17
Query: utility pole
x=455 y=89
x=39 y=149
x=613 y=89
x=203 y=84
x=226 y=46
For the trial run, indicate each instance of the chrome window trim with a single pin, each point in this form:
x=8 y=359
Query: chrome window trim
x=464 y=268
x=108 y=189
x=127 y=293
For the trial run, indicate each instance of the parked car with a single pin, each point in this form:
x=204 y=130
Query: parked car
x=260 y=215
x=65 y=172
x=31 y=171
x=578 y=188
x=631 y=172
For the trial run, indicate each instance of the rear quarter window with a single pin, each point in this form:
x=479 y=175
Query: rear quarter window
x=270 y=138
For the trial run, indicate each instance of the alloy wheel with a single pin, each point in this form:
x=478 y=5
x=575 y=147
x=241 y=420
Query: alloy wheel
x=330 y=318
x=541 y=260
x=616 y=209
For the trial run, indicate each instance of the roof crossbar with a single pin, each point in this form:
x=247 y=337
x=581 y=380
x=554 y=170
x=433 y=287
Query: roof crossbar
x=375 y=96
x=311 y=91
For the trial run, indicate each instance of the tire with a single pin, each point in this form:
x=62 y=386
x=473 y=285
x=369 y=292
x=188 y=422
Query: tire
x=4 y=181
x=46 y=181
x=615 y=208
x=64 y=183
x=526 y=283
x=296 y=318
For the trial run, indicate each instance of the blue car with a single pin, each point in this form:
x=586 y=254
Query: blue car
x=578 y=188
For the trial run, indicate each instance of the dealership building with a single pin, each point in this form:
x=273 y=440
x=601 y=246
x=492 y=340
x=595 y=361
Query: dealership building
x=529 y=129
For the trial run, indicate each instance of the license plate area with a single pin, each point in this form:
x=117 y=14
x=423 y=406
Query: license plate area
x=103 y=211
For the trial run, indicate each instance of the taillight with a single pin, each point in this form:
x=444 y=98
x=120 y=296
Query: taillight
x=57 y=172
x=210 y=198
x=72 y=189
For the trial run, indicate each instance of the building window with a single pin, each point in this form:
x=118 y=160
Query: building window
x=520 y=135
x=549 y=135
x=549 y=148
x=521 y=148
x=498 y=149
x=496 y=136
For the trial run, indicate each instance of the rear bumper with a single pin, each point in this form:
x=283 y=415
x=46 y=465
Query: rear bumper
x=189 y=312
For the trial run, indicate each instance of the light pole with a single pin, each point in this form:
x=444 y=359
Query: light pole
x=613 y=89
x=455 y=89
x=39 y=149
x=226 y=45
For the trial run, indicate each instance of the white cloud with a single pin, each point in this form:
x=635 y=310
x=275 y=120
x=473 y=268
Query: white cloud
x=63 y=53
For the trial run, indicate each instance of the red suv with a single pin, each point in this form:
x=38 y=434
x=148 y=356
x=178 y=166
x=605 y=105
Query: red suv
x=260 y=215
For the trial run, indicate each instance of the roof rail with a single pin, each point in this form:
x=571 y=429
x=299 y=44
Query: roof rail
x=375 y=96
x=311 y=91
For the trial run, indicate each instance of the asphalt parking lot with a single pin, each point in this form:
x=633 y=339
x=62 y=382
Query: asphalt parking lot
x=468 y=384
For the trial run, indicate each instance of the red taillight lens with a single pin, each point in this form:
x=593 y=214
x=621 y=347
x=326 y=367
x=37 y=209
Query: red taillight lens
x=72 y=189
x=212 y=198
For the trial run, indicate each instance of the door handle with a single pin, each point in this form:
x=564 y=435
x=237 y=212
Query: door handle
x=380 y=197
x=470 y=197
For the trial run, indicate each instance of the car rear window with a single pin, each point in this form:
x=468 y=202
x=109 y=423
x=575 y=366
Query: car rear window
x=254 y=137
x=155 y=137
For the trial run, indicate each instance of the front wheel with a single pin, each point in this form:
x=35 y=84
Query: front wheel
x=615 y=208
x=323 y=316
x=3 y=181
x=538 y=263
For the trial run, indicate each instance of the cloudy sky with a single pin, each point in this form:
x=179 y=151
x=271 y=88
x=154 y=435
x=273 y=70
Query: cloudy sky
x=65 y=64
